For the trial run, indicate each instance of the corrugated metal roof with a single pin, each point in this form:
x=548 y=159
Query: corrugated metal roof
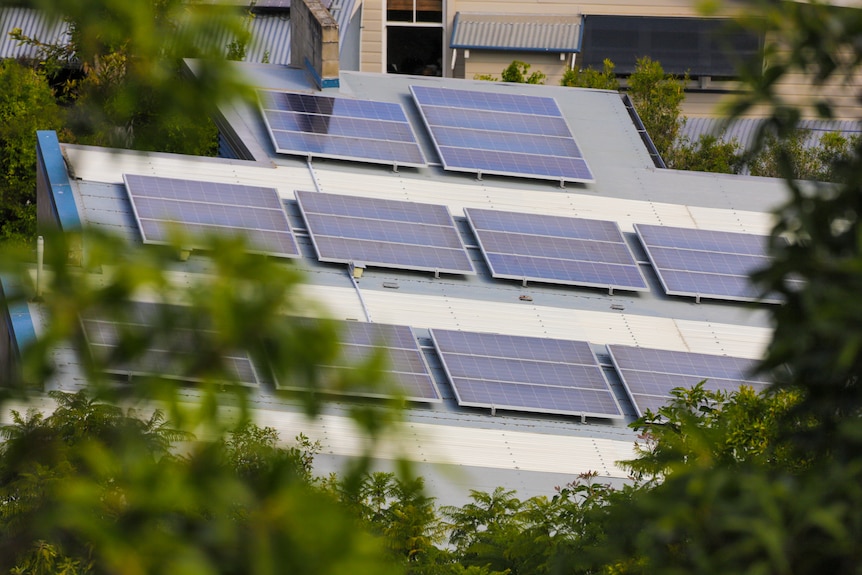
x=270 y=39
x=33 y=23
x=271 y=32
x=744 y=130
x=531 y=32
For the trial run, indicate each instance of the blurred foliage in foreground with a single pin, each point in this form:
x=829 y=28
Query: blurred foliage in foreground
x=728 y=484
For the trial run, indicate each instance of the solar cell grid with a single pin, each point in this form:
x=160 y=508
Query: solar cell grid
x=508 y=123
x=212 y=214
x=499 y=345
x=649 y=375
x=342 y=147
x=514 y=164
x=523 y=373
x=373 y=208
x=686 y=363
x=503 y=142
x=405 y=365
x=329 y=106
x=397 y=232
x=545 y=225
x=504 y=134
x=703 y=240
x=353 y=127
x=709 y=262
x=566 y=401
x=201 y=191
x=554 y=249
x=545 y=270
x=171 y=355
x=706 y=263
x=199 y=209
x=475 y=100
x=340 y=128
x=384 y=233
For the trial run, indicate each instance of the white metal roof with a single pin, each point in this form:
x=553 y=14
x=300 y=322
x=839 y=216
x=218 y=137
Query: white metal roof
x=628 y=190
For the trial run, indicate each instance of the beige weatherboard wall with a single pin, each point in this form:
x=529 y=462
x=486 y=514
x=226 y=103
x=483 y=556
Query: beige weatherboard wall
x=699 y=102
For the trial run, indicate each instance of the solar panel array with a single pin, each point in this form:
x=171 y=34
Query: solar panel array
x=525 y=374
x=706 y=263
x=174 y=354
x=204 y=208
x=649 y=375
x=506 y=134
x=405 y=365
x=340 y=128
x=555 y=249
x=384 y=233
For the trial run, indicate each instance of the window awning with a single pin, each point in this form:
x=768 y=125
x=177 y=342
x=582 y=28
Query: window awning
x=524 y=32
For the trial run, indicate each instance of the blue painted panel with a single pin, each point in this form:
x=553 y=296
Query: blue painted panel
x=54 y=166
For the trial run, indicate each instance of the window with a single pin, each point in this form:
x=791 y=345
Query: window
x=414 y=37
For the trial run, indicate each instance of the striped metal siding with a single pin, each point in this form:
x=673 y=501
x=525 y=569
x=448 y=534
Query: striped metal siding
x=744 y=130
x=271 y=33
x=517 y=32
x=34 y=24
x=271 y=39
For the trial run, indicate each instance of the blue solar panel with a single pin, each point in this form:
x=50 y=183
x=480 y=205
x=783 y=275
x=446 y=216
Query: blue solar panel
x=554 y=249
x=525 y=373
x=341 y=128
x=202 y=208
x=706 y=263
x=649 y=375
x=494 y=121
x=173 y=355
x=504 y=134
x=384 y=233
x=504 y=142
x=405 y=370
x=490 y=101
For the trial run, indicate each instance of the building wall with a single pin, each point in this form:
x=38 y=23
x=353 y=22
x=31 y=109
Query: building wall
x=487 y=62
x=371 y=46
x=699 y=102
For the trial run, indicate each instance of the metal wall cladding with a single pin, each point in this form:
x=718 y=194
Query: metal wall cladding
x=522 y=32
x=32 y=23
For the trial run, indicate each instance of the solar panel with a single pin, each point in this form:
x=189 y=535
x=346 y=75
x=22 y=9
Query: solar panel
x=554 y=249
x=649 y=375
x=504 y=134
x=341 y=128
x=204 y=208
x=519 y=373
x=384 y=233
x=405 y=366
x=706 y=263
x=174 y=354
